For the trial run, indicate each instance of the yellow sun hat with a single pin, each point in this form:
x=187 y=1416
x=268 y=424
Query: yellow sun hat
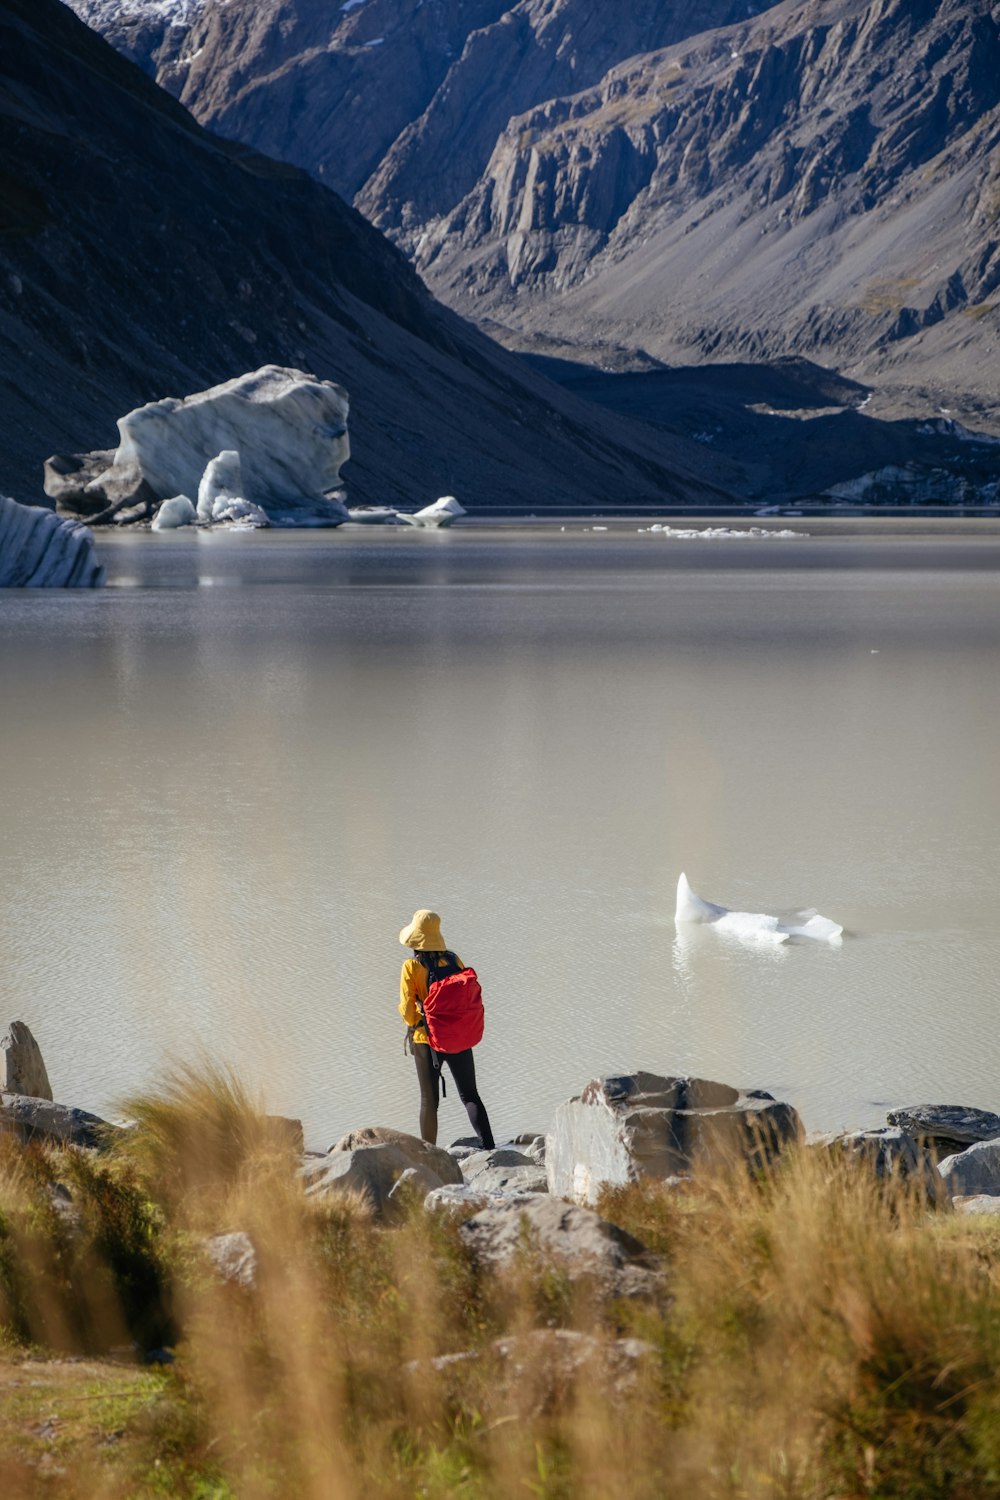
x=424 y=933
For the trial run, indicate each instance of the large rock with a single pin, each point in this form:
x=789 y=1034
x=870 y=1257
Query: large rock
x=289 y=429
x=374 y=1166
x=32 y=1119
x=640 y=1125
x=976 y=1170
x=504 y=1170
x=583 y=1242
x=889 y=1152
x=41 y=550
x=946 y=1128
x=233 y=1258
x=22 y=1068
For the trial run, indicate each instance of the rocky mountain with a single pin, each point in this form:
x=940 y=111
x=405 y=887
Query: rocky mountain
x=662 y=182
x=142 y=257
x=821 y=180
x=411 y=93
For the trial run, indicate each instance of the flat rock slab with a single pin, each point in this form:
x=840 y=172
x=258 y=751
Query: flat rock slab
x=946 y=1127
x=580 y=1239
x=627 y=1126
x=41 y=1119
x=974 y=1171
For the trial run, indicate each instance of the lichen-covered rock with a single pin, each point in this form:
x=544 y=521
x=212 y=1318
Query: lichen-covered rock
x=22 y=1067
x=637 y=1125
x=39 y=549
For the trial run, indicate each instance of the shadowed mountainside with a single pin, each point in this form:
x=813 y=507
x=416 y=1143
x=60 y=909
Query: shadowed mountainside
x=142 y=257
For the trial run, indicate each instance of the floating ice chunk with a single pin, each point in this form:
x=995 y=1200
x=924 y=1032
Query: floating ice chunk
x=289 y=429
x=39 y=549
x=753 y=927
x=177 y=511
x=222 y=480
x=441 y=513
x=733 y=533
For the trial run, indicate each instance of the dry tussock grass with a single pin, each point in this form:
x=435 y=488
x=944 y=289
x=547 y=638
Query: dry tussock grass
x=817 y=1334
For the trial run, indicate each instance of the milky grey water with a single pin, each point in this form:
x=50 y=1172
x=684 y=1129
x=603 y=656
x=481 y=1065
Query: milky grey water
x=229 y=778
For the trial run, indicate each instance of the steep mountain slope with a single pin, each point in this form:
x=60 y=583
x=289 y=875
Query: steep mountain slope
x=142 y=257
x=822 y=180
x=415 y=92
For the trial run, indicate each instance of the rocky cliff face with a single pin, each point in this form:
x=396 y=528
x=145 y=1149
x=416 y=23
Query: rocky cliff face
x=411 y=94
x=823 y=179
x=141 y=257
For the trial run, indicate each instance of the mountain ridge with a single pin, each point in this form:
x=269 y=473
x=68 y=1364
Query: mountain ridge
x=141 y=257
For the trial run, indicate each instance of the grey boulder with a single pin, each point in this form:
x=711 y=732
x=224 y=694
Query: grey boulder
x=504 y=1170
x=22 y=1069
x=41 y=1119
x=579 y=1239
x=947 y=1128
x=233 y=1258
x=374 y=1168
x=974 y=1171
x=635 y=1125
x=890 y=1152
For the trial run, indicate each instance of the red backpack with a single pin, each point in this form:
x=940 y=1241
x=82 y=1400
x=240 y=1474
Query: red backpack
x=453 y=1010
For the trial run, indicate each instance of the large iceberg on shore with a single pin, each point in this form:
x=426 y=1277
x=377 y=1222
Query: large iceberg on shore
x=39 y=549
x=288 y=428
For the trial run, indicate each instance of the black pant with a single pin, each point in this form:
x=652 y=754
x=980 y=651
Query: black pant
x=463 y=1070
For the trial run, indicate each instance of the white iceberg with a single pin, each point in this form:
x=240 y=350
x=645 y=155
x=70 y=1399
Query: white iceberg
x=39 y=549
x=754 y=927
x=173 y=513
x=436 y=516
x=288 y=428
x=221 y=497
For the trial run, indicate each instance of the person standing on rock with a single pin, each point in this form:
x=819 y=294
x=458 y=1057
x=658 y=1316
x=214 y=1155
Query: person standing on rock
x=441 y=1003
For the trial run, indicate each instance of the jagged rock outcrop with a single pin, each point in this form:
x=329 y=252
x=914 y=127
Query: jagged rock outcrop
x=114 y=199
x=410 y=95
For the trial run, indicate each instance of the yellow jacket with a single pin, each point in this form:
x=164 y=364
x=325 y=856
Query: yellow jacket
x=413 y=987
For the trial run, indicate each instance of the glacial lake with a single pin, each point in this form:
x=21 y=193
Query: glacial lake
x=231 y=776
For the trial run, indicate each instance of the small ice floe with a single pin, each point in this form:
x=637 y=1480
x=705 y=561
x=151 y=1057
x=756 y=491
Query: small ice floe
x=754 y=927
x=442 y=513
x=175 y=512
x=714 y=533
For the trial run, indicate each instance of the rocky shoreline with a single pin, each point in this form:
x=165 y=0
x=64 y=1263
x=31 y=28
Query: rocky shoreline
x=619 y=1130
